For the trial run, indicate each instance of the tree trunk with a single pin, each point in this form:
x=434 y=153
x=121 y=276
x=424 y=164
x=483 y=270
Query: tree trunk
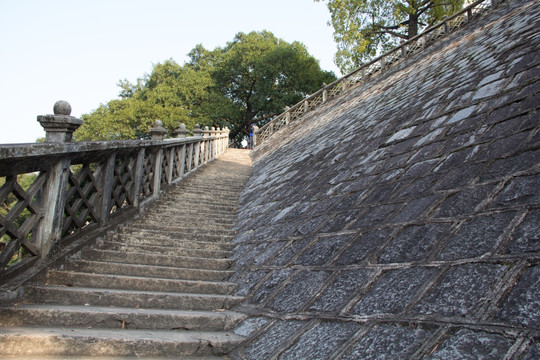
x=413 y=26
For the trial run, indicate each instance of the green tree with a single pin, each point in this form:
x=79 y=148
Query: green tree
x=366 y=28
x=258 y=75
x=248 y=81
x=170 y=93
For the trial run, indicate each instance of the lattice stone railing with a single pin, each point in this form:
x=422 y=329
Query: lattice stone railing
x=376 y=66
x=54 y=192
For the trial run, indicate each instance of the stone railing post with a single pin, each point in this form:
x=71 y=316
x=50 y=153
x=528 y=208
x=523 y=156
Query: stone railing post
x=255 y=132
x=324 y=93
x=287 y=115
x=197 y=151
x=197 y=130
x=158 y=132
x=214 y=144
x=181 y=132
x=226 y=139
x=59 y=128
x=206 y=131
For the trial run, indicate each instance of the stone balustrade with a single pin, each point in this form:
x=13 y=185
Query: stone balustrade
x=83 y=188
x=375 y=67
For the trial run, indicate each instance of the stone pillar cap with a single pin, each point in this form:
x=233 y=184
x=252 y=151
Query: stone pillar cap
x=60 y=126
x=158 y=131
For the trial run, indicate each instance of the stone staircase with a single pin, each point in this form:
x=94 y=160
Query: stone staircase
x=157 y=287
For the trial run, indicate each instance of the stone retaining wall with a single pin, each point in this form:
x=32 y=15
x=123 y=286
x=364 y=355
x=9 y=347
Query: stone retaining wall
x=402 y=219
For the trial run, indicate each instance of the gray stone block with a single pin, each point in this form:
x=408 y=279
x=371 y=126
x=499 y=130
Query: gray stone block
x=533 y=353
x=250 y=326
x=269 y=341
x=248 y=281
x=387 y=342
x=275 y=280
x=461 y=290
x=520 y=191
x=323 y=250
x=507 y=166
x=464 y=202
x=375 y=216
x=476 y=237
x=321 y=342
x=290 y=251
x=459 y=177
x=522 y=306
x=468 y=344
x=311 y=225
x=416 y=209
x=297 y=292
x=414 y=243
x=393 y=291
x=340 y=221
x=343 y=288
x=288 y=229
x=361 y=249
x=526 y=238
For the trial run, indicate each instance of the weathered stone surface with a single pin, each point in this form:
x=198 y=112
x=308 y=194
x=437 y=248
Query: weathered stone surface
x=468 y=344
x=320 y=342
x=401 y=342
x=476 y=237
x=460 y=290
x=299 y=290
x=526 y=237
x=393 y=291
x=522 y=306
x=408 y=206
x=414 y=243
x=341 y=290
x=270 y=340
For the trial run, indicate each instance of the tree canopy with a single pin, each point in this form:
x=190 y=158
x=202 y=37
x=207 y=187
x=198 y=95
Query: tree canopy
x=248 y=81
x=365 y=28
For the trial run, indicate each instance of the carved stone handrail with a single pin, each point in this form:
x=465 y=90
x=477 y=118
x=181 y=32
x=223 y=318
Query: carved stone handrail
x=83 y=187
x=377 y=66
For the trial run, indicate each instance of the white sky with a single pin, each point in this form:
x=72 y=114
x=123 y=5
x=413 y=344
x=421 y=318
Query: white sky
x=78 y=50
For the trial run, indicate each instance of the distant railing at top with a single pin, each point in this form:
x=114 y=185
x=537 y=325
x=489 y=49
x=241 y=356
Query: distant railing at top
x=377 y=66
x=56 y=192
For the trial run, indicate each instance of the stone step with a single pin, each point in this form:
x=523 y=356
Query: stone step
x=208 y=186
x=63 y=295
x=118 y=318
x=164 y=250
x=196 y=236
x=156 y=260
x=166 y=272
x=191 y=201
x=191 y=212
x=183 y=220
x=81 y=279
x=211 y=185
x=114 y=342
x=190 y=229
x=162 y=240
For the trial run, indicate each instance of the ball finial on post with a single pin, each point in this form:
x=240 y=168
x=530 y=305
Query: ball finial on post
x=62 y=107
x=158 y=132
x=60 y=126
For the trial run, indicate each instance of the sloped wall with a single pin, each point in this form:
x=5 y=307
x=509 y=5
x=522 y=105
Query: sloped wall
x=402 y=220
